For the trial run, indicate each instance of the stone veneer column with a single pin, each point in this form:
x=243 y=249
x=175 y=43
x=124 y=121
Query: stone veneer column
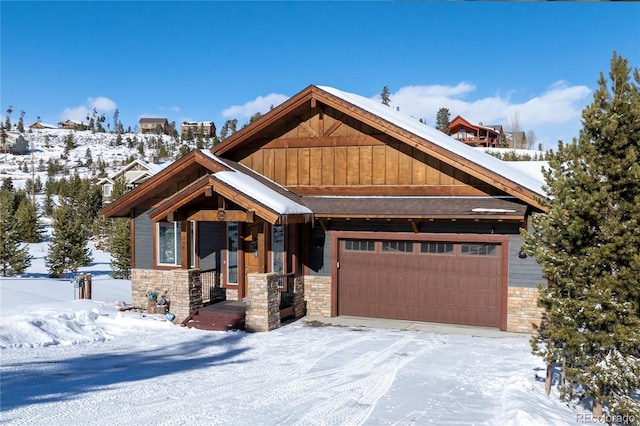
x=317 y=293
x=182 y=286
x=523 y=314
x=299 y=309
x=263 y=302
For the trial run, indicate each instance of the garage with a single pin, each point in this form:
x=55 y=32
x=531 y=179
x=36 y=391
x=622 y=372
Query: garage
x=454 y=282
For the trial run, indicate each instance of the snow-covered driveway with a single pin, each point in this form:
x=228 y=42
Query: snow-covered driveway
x=140 y=371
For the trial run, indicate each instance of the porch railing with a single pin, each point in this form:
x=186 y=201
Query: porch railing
x=208 y=281
x=285 y=282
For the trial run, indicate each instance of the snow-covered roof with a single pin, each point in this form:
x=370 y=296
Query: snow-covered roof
x=152 y=168
x=438 y=138
x=197 y=123
x=262 y=193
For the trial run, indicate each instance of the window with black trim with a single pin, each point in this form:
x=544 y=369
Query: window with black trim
x=359 y=245
x=479 y=249
x=436 y=248
x=397 y=246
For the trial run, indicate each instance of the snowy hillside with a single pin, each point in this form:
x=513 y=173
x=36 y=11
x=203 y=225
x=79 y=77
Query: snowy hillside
x=49 y=144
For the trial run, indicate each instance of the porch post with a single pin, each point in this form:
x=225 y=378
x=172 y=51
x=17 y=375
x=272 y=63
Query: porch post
x=185 y=244
x=263 y=302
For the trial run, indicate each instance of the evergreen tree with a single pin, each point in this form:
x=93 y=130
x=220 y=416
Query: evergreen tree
x=7 y=122
x=443 y=119
x=26 y=217
x=21 y=122
x=68 y=249
x=385 y=96
x=120 y=246
x=588 y=246
x=14 y=254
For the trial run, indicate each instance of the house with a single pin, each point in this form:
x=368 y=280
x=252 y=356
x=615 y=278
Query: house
x=205 y=129
x=516 y=140
x=134 y=173
x=40 y=126
x=476 y=134
x=15 y=143
x=153 y=125
x=334 y=204
x=72 y=125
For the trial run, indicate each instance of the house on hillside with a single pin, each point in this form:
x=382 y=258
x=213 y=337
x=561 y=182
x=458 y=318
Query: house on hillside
x=476 y=134
x=72 y=125
x=205 y=129
x=134 y=173
x=334 y=204
x=15 y=143
x=516 y=140
x=153 y=125
x=41 y=126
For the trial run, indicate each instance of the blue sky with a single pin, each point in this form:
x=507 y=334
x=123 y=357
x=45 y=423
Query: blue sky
x=487 y=61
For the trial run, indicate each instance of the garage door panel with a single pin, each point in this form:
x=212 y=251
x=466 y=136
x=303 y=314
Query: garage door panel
x=451 y=286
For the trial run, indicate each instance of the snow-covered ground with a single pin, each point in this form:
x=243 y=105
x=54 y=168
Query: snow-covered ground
x=68 y=362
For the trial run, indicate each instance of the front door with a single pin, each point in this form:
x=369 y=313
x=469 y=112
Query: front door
x=252 y=245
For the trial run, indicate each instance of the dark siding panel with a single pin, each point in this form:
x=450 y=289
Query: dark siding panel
x=210 y=244
x=522 y=272
x=319 y=252
x=143 y=240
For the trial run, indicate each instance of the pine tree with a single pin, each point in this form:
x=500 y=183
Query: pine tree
x=588 y=246
x=26 y=217
x=68 y=245
x=21 y=122
x=120 y=246
x=14 y=254
x=443 y=120
x=385 y=96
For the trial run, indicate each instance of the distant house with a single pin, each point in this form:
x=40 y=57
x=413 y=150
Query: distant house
x=39 y=126
x=206 y=129
x=72 y=125
x=134 y=173
x=15 y=144
x=516 y=140
x=476 y=134
x=153 y=125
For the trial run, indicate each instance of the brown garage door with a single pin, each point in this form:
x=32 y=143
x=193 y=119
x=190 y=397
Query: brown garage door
x=456 y=283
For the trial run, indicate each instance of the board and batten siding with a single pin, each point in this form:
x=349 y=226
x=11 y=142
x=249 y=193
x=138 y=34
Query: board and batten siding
x=523 y=272
x=143 y=239
x=210 y=244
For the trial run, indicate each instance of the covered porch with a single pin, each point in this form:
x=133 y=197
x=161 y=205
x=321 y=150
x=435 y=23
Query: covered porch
x=254 y=234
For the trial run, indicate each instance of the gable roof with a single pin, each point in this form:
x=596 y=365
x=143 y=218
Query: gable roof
x=405 y=129
x=153 y=120
x=270 y=201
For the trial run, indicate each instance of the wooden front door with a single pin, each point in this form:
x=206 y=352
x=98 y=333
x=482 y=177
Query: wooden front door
x=253 y=247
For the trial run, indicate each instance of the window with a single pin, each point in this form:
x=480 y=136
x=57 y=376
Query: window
x=232 y=252
x=479 y=249
x=403 y=246
x=169 y=250
x=436 y=248
x=277 y=248
x=106 y=190
x=277 y=253
x=359 y=245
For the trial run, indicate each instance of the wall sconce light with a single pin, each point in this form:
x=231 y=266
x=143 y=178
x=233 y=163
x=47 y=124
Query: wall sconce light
x=522 y=254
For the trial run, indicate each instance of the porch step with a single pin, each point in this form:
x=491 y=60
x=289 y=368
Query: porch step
x=223 y=316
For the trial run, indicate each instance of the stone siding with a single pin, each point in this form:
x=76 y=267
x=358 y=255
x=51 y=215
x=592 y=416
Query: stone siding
x=523 y=314
x=231 y=293
x=299 y=307
x=182 y=287
x=317 y=293
x=263 y=302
